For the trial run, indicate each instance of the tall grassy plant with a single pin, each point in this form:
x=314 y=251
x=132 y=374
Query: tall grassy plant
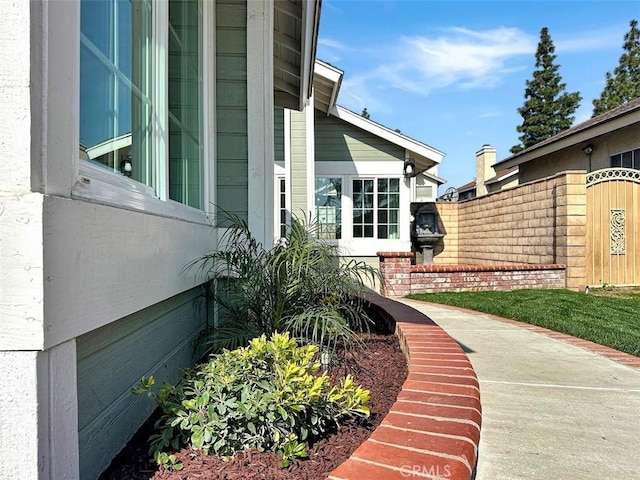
x=301 y=285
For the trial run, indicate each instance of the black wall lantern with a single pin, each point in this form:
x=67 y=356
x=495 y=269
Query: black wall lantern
x=409 y=168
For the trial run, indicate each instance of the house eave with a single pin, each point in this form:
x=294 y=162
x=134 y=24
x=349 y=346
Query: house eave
x=326 y=85
x=295 y=40
x=501 y=178
x=571 y=137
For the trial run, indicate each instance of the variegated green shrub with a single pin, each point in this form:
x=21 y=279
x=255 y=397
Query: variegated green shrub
x=267 y=396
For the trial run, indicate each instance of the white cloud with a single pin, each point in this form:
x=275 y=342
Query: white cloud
x=458 y=57
x=590 y=41
x=452 y=58
x=461 y=57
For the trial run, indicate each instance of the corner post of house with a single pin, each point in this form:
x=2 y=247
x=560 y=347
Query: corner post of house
x=395 y=269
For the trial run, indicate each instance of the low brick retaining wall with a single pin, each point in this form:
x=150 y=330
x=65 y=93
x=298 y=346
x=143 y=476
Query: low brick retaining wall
x=433 y=429
x=402 y=278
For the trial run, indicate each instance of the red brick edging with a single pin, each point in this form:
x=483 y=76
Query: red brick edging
x=433 y=429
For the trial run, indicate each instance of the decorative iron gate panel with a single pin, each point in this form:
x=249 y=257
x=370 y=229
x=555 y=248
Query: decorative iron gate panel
x=613 y=227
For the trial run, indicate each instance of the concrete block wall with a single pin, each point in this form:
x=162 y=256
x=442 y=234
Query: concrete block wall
x=571 y=228
x=446 y=252
x=541 y=222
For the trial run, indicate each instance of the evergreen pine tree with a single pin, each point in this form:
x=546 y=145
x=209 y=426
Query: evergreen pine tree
x=624 y=84
x=548 y=109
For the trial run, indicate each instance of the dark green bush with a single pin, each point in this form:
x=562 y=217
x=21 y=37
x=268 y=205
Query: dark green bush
x=301 y=285
x=266 y=396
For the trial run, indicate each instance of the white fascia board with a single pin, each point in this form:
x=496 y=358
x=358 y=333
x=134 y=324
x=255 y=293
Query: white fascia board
x=328 y=72
x=310 y=22
x=503 y=177
x=387 y=134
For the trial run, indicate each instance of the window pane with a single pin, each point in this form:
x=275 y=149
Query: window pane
x=394 y=185
x=382 y=231
x=368 y=231
x=382 y=216
x=616 y=160
x=636 y=159
x=368 y=186
x=185 y=94
x=383 y=185
x=357 y=231
x=115 y=86
x=627 y=160
x=328 y=193
x=394 y=200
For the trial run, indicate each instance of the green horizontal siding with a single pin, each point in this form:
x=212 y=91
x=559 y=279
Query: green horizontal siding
x=278 y=134
x=339 y=141
x=298 y=163
x=156 y=341
x=231 y=104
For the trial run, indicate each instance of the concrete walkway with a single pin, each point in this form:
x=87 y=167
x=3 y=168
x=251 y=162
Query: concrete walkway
x=550 y=409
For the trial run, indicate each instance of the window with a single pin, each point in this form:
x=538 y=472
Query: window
x=122 y=67
x=185 y=100
x=115 y=85
x=282 y=207
x=630 y=159
x=328 y=195
x=376 y=208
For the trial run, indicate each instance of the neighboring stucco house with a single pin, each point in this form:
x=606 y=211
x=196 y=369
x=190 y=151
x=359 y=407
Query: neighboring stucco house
x=124 y=125
x=610 y=140
x=487 y=180
x=355 y=177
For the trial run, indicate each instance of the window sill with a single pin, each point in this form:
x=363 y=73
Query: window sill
x=98 y=185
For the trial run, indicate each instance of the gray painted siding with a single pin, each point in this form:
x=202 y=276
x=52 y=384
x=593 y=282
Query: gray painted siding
x=231 y=104
x=337 y=140
x=156 y=341
x=298 y=163
x=278 y=134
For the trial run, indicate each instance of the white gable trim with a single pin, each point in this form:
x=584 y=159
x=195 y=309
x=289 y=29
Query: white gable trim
x=387 y=134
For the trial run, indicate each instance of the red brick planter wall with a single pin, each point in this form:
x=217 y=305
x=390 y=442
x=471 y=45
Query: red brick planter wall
x=433 y=429
x=457 y=278
x=401 y=278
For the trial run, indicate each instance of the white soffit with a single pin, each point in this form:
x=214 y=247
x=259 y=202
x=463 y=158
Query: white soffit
x=295 y=37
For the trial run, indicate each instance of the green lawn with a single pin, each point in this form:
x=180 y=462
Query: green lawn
x=607 y=318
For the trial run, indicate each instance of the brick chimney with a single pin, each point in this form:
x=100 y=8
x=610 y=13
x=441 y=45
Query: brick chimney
x=485 y=158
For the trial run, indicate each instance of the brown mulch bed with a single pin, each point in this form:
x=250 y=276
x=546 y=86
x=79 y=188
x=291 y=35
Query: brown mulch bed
x=380 y=367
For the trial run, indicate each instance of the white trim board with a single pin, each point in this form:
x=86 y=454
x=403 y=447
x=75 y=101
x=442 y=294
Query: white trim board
x=387 y=134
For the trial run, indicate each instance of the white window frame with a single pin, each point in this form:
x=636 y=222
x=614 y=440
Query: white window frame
x=375 y=205
x=335 y=241
x=374 y=170
x=280 y=175
x=99 y=185
x=635 y=162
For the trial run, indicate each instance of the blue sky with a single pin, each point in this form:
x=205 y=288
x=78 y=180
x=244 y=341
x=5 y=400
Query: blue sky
x=452 y=74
